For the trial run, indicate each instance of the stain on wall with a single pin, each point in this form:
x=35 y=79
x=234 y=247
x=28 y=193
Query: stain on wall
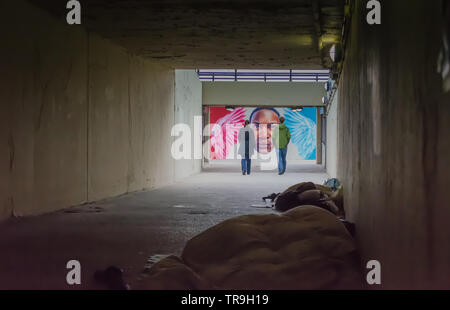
x=393 y=125
x=81 y=118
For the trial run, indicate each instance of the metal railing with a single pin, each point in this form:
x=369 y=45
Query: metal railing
x=240 y=75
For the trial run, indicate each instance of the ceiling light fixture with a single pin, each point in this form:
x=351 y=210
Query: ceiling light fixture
x=336 y=53
x=333 y=53
x=299 y=109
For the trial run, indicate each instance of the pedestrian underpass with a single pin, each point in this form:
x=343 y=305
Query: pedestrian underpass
x=87 y=114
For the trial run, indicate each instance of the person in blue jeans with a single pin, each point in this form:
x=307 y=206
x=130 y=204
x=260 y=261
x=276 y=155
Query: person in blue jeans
x=281 y=138
x=246 y=140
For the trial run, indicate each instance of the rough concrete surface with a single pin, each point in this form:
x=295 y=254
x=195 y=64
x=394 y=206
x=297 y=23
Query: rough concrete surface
x=44 y=91
x=149 y=165
x=217 y=33
x=127 y=230
x=393 y=125
x=108 y=119
x=331 y=149
x=188 y=93
x=82 y=118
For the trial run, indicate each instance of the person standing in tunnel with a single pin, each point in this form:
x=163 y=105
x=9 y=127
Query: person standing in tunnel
x=246 y=147
x=281 y=138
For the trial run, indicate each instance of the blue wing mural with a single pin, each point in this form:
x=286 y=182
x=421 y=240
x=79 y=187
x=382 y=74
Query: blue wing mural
x=303 y=131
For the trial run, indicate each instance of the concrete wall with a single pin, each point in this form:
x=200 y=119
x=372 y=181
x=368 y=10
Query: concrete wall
x=131 y=113
x=254 y=94
x=108 y=119
x=393 y=125
x=44 y=91
x=81 y=118
x=149 y=162
x=188 y=105
x=331 y=138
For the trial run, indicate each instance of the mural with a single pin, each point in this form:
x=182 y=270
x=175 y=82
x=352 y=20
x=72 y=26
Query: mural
x=225 y=127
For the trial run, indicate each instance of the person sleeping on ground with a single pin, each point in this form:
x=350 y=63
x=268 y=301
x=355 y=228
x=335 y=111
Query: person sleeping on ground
x=308 y=193
x=304 y=248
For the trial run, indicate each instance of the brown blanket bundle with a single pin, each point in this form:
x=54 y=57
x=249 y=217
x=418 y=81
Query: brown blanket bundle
x=303 y=248
x=308 y=193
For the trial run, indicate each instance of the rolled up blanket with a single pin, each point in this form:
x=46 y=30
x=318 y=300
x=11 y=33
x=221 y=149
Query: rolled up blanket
x=303 y=248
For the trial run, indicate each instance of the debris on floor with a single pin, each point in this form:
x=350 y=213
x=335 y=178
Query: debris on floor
x=85 y=209
x=153 y=260
x=332 y=183
x=271 y=197
x=266 y=206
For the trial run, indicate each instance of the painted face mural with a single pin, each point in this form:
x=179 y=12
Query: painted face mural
x=263 y=121
x=224 y=130
x=225 y=126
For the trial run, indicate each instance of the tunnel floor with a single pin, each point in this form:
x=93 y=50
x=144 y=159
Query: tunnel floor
x=127 y=230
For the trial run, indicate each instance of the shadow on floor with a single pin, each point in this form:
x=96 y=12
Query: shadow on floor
x=127 y=230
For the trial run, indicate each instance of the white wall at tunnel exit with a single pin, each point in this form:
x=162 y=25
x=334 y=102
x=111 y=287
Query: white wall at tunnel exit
x=188 y=106
x=331 y=138
x=254 y=94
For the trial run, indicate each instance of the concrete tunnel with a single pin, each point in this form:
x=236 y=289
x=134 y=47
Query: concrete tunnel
x=88 y=112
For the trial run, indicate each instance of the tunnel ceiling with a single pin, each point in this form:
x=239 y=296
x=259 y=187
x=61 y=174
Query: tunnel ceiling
x=294 y=34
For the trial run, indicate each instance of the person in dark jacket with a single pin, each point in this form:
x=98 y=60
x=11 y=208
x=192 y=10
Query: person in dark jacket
x=246 y=150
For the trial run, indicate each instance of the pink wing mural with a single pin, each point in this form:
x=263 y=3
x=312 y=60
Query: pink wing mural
x=224 y=133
